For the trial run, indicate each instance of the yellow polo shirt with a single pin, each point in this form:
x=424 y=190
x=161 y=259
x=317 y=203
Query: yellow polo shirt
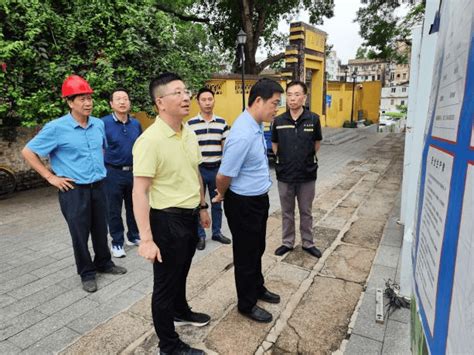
x=172 y=161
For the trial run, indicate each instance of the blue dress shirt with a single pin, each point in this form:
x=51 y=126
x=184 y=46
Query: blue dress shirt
x=74 y=152
x=245 y=157
x=120 y=139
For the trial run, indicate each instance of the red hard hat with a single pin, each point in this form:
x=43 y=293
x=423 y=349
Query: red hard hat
x=75 y=85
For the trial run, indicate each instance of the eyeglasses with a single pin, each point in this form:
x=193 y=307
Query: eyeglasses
x=179 y=93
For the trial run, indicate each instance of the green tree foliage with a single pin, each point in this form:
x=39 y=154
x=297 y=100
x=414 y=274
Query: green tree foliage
x=110 y=43
x=258 y=18
x=386 y=36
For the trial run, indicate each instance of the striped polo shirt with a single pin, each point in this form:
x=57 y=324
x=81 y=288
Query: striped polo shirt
x=211 y=136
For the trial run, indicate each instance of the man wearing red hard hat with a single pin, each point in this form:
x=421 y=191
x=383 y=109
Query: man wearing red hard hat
x=75 y=146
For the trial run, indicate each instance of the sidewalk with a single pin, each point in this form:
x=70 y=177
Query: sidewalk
x=43 y=308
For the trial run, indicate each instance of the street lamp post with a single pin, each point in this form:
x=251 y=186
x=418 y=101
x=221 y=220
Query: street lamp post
x=354 y=77
x=241 y=39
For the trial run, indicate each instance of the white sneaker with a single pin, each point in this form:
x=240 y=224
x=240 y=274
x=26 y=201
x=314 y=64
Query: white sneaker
x=136 y=242
x=118 y=252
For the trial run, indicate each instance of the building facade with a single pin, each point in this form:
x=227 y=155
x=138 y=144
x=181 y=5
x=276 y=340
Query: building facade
x=392 y=97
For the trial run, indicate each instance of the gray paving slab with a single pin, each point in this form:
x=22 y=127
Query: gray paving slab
x=44 y=282
x=397 y=339
x=360 y=345
x=30 y=302
x=392 y=237
x=8 y=348
x=402 y=315
x=387 y=256
x=18 y=324
x=62 y=301
x=51 y=324
x=379 y=275
x=5 y=300
x=365 y=324
x=50 y=344
x=14 y=284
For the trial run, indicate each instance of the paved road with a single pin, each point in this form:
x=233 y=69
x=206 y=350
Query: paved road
x=42 y=305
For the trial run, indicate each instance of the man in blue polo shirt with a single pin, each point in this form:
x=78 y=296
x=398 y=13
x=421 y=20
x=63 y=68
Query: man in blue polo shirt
x=74 y=144
x=121 y=130
x=244 y=181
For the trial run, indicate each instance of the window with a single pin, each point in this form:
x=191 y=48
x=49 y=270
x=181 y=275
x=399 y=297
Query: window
x=392 y=76
x=404 y=89
x=392 y=101
x=404 y=75
x=366 y=77
x=402 y=102
x=373 y=77
x=398 y=76
x=393 y=90
x=378 y=77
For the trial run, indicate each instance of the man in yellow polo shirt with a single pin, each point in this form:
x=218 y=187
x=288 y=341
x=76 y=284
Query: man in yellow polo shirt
x=168 y=201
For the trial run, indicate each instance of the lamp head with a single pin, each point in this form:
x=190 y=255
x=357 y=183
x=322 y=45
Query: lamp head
x=241 y=37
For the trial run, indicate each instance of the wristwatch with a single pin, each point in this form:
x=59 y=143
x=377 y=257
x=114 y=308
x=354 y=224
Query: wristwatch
x=204 y=207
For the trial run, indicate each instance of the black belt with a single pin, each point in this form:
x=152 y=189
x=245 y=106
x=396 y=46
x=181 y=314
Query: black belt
x=92 y=185
x=179 y=210
x=120 y=167
x=210 y=165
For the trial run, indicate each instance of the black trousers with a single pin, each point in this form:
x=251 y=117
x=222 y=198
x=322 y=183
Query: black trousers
x=84 y=209
x=247 y=218
x=176 y=236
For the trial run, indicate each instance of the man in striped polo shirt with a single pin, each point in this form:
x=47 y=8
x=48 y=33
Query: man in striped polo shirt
x=211 y=131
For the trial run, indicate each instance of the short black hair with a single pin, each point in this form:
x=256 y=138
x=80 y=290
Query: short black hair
x=265 y=88
x=298 y=82
x=111 y=96
x=203 y=90
x=160 y=80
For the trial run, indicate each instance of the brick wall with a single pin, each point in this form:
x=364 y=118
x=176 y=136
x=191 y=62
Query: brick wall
x=10 y=156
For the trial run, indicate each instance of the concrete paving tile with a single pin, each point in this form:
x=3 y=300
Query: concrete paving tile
x=283 y=279
x=122 y=283
x=62 y=301
x=402 y=315
x=30 y=302
x=315 y=324
x=50 y=344
x=387 y=256
x=145 y=286
x=92 y=318
x=18 y=282
x=8 y=348
x=378 y=276
x=30 y=267
x=365 y=324
x=5 y=300
x=51 y=324
x=397 y=338
x=392 y=237
x=350 y=263
x=54 y=266
x=365 y=232
x=110 y=337
x=16 y=325
x=44 y=282
x=362 y=345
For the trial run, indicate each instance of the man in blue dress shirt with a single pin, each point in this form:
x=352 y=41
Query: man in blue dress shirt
x=243 y=182
x=121 y=130
x=75 y=145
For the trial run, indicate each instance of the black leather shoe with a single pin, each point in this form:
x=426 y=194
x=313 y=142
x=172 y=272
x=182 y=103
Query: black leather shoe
x=313 y=251
x=269 y=297
x=89 y=285
x=183 y=349
x=201 y=245
x=221 y=239
x=258 y=314
x=282 y=250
